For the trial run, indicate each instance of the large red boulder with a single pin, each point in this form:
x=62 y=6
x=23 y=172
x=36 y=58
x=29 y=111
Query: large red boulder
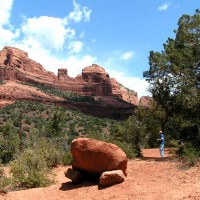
x=95 y=157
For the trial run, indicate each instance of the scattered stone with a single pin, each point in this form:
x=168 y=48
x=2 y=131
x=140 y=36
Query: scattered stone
x=111 y=177
x=74 y=175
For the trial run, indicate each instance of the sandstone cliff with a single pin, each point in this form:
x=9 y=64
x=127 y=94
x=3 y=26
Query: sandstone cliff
x=121 y=92
x=94 y=80
x=17 y=67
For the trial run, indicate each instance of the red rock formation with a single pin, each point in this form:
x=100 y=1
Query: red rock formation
x=93 y=80
x=15 y=65
x=121 y=92
x=95 y=157
x=146 y=101
x=23 y=68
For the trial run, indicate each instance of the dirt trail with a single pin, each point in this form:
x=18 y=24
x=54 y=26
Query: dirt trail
x=149 y=178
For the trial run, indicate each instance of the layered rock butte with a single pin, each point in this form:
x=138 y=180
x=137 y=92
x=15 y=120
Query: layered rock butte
x=16 y=68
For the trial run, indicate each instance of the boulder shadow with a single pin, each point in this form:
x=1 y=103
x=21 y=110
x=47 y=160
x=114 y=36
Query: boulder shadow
x=158 y=159
x=100 y=187
x=71 y=186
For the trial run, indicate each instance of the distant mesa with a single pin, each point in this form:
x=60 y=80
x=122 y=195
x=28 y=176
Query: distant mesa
x=15 y=65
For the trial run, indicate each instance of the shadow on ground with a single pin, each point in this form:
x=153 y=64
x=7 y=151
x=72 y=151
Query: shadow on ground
x=164 y=159
x=71 y=186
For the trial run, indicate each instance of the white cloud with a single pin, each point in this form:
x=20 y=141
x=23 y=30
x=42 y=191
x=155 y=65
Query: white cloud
x=164 y=6
x=79 y=13
x=86 y=13
x=75 y=65
x=127 y=55
x=134 y=83
x=6 y=33
x=5 y=9
x=75 y=46
x=50 y=32
x=82 y=35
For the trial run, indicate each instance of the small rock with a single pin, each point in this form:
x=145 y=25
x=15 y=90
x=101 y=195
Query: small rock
x=74 y=175
x=109 y=178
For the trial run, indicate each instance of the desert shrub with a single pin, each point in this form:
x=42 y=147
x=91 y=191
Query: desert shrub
x=48 y=151
x=1 y=82
x=67 y=158
x=30 y=170
x=97 y=135
x=6 y=184
x=127 y=148
x=1 y=172
x=189 y=153
x=9 y=142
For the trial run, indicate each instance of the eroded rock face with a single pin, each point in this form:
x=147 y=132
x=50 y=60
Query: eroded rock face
x=95 y=157
x=146 y=101
x=123 y=93
x=94 y=80
x=97 y=75
x=16 y=66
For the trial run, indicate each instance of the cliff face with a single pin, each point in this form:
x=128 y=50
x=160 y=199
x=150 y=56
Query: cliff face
x=123 y=93
x=16 y=66
x=94 y=80
x=146 y=101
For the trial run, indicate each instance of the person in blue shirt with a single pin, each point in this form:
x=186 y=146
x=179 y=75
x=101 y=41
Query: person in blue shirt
x=161 y=140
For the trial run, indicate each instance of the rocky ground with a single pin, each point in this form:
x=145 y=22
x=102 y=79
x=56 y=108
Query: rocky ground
x=149 y=178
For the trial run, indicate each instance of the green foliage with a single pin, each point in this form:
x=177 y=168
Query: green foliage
x=127 y=148
x=189 y=153
x=129 y=132
x=174 y=76
x=9 y=142
x=66 y=95
x=48 y=151
x=67 y=158
x=1 y=82
x=54 y=127
x=30 y=170
x=6 y=183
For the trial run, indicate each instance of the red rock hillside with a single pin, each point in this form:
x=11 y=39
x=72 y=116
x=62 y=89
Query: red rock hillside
x=16 y=66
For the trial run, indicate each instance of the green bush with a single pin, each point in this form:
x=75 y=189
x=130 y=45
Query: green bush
x=67 y=158
x=30 y=170
x=48 y=151
x=127 y=148
x=1 y=172
x=6 y=184
x=1 y=82
x=189 y=153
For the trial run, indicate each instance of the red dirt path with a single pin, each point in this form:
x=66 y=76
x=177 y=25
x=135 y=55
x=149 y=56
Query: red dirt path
x=149 y=178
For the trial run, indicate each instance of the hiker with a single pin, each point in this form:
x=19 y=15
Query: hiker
x=161 y=140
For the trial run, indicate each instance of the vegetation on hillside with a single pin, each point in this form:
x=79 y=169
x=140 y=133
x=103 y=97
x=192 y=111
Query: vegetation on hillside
x=35 y=137
x=70 y=96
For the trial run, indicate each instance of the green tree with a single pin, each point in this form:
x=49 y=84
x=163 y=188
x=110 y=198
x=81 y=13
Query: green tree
x=55 y=126
x=174 y=77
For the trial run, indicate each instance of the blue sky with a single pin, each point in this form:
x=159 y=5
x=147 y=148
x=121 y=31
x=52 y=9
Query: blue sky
x=73 y=34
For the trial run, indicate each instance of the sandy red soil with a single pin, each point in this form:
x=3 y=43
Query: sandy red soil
x=149 y=178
